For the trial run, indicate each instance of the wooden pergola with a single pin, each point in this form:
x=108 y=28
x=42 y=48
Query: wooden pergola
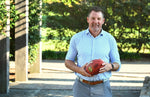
x=21 y=47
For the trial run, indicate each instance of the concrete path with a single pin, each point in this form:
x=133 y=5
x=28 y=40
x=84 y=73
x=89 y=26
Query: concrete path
x=56 y=81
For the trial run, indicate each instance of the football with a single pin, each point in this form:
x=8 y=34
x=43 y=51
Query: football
x=93 y=66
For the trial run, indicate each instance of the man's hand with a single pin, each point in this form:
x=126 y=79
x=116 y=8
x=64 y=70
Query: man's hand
x=83 y=72
x=72 y=66
x=107 y=67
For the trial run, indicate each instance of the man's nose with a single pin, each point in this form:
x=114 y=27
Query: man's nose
x=96 y=21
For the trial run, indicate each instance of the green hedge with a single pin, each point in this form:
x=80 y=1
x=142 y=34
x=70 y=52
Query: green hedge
x=58 y=55
x=53 y=55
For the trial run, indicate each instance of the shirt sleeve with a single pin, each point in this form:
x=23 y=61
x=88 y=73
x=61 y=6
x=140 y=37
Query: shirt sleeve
x=72 y=52
x=114 y=54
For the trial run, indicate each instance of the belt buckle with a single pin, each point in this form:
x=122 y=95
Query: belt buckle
x=80 y=79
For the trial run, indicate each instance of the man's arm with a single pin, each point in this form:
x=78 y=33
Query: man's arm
x=108 y=66
x=72 y=66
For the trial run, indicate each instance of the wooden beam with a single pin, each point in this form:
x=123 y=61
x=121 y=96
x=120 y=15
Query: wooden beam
x=21 y=40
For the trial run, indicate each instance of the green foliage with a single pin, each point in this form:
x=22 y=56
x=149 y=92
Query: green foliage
x=13 y=18
x=34 y=36
x=129 y=56
x=3 y=16
x=65 y=16
x=53 y=55
x=33 y=52
x=13 y=14
x=58 y=39
x=127 y=20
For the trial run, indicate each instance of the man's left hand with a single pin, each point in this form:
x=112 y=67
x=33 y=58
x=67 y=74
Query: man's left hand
x=107 y=67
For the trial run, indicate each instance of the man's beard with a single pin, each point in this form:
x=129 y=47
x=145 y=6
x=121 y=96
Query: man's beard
x=96 y=29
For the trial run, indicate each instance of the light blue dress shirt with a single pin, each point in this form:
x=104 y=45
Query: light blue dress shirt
x=86 y=48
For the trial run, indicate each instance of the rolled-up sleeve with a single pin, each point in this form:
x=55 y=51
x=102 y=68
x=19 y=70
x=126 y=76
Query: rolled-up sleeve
x=72 y=52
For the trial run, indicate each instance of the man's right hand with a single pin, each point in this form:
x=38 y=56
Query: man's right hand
x=83 y=72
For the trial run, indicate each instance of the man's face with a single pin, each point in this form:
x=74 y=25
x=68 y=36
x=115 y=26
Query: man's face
x=95 y=21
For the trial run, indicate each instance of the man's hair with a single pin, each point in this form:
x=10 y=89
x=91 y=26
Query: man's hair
x=96 y=9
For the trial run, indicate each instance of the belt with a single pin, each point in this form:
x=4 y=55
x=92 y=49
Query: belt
x=90 y=82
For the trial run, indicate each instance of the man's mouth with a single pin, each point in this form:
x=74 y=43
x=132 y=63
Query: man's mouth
x=95 y=25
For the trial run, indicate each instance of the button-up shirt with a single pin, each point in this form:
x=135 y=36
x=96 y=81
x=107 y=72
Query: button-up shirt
x=86 y=48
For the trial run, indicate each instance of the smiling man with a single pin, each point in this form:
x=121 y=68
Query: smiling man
x=93 y=43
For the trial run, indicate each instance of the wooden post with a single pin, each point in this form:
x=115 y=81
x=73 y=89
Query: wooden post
x=4 y=56
x=36 y=66
x=21 y=41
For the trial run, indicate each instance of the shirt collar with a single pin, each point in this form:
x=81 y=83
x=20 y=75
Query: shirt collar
x=88 y=32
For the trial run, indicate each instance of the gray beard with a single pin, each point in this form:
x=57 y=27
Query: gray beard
x=96 y=30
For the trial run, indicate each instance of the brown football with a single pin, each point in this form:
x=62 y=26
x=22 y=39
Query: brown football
x=93 y=66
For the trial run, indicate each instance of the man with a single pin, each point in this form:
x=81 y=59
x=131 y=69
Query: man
x=90 y=44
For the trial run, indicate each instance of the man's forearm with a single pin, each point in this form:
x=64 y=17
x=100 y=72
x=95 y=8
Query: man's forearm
x=71 y=65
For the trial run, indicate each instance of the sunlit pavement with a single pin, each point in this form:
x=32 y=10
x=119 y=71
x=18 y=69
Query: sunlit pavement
x=56 y=81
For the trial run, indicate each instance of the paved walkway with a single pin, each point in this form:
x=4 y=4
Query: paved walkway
x=56 y=81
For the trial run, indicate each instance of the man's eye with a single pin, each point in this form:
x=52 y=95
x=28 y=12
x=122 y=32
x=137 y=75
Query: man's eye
x=99 y=19
x=93 y=18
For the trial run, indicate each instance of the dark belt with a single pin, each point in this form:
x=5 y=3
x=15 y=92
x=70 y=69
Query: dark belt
x=90 y=82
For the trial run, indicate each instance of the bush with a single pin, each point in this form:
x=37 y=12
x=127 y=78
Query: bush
x=129 y=56
x=59 y=38
x=53 y=55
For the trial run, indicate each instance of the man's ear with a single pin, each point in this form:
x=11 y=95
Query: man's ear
x=87 y=19
x=103 y=20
